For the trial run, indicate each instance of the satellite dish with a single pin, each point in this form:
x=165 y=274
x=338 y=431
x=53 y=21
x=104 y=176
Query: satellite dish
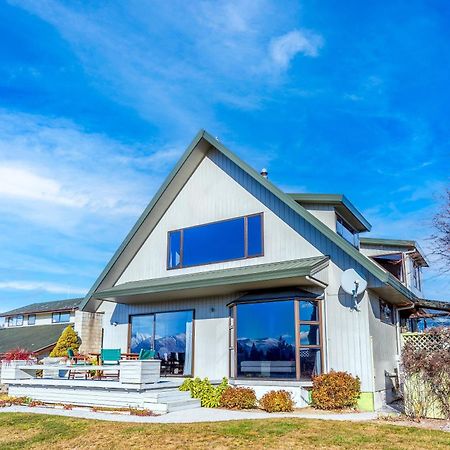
x=353 y=283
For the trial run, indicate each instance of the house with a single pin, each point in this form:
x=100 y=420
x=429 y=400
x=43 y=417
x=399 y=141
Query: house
x=226 y=275
x=37 y=327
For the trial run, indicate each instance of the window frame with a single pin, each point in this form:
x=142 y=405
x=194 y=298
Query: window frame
x=59 y=313
x=34 y=319
x=383 y=318
x=298 y=346
x=154 y=314
x=416 y=275
x=246 y=256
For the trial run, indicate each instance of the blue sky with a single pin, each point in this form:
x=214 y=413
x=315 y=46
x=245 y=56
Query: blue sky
x=99 y=99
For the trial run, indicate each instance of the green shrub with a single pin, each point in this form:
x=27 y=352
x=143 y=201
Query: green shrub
x=208 y=394
x=68 y=339
x=335 y=390
x=277 y=401
x=238 y=398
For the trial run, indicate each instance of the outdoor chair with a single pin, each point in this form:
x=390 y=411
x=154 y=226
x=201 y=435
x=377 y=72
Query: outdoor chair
x=75 y=360
x=110 y=357
x=146 y=354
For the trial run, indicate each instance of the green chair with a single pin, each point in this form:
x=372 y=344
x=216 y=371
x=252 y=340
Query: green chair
x=110 y=357
x=74 y=362
x=146 y=354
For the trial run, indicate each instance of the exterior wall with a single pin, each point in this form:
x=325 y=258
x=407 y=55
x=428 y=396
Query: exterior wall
x=211 y=330
x=89 y=329
x=221 y=198
x=42 y=319
x=385 y=356
x=347 y=339
x=325 y=213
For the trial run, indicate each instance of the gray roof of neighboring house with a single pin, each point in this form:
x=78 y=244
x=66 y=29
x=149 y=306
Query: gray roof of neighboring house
x=342 y=204
x=235 y=277
x=57 y=305
x=31 y=338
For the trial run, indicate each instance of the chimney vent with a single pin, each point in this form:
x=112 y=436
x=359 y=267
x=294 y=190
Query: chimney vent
x=264 y=173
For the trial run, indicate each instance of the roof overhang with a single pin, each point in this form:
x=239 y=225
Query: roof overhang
x=342 y=205
x=298 y=272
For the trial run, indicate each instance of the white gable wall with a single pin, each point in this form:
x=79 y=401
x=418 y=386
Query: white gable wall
x=211 y=195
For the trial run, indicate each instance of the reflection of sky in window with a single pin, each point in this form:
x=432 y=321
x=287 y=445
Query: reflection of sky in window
x=172 y=323
x=308 y=311
x=262 y=320
x=213 y=242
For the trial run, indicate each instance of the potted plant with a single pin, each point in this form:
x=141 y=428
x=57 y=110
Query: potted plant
x=11 y=361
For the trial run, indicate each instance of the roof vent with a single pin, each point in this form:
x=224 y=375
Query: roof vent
x=264 y=173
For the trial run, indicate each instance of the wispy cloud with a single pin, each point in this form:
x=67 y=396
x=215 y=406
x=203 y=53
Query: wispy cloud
x=283 y=49
x=51 y=288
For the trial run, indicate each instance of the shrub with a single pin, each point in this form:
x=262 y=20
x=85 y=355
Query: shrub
x=208 y=394
x=277 y=401
x=426 y=365
x=17 y=354
x=335 y=390
x=238 y=398
x=68 y=339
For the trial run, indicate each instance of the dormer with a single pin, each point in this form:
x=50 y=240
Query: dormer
x=337 y=213
x=402 y=258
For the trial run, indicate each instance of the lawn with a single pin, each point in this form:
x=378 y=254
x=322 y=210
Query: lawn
x=18 y=430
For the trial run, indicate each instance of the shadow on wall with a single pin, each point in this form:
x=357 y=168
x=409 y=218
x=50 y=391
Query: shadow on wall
x=347 y=301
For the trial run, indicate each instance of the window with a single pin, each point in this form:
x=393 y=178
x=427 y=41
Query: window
x=386 y=312
x=278 y=339
x=393 y=263
x=19 y=320
x=10 y=321
x=60 y=317
x=169 y=334
x=31 y=319
x=346 y=231
x=226 y=240
x=416 y=275
x=15 y=321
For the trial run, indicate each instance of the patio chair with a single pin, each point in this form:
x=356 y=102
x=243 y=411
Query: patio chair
x=146 y=354
x=74 y=362
x=110 y=357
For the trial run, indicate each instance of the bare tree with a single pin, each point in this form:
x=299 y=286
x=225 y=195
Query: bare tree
x=441 y=236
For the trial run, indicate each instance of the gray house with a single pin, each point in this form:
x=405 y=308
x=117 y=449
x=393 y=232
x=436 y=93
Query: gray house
x=226 y=275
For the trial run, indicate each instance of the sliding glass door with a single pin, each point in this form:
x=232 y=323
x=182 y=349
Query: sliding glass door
x=169 y=334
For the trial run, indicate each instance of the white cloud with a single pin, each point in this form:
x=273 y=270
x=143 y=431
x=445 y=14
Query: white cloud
x=52 y=288
x=23 y=183
x=284 y=48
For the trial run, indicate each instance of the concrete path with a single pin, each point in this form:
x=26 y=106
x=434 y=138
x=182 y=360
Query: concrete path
x=192 y=415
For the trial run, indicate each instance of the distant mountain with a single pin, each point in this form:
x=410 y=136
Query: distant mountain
x=164 y=344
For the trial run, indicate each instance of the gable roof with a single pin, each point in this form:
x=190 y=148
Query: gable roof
x=187 y=164
x=36 y=308
x=342 y=204
x=32 y=338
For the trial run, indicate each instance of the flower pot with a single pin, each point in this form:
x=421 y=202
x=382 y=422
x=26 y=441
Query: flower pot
x=140 y=371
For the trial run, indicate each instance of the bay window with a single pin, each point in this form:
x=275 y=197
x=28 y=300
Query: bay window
x=279 y=339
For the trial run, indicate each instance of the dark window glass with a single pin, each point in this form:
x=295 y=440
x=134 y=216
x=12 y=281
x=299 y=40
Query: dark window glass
x=254 y=232
x=170 y=335
x=219 y=241
x=215 y=242
x=310 y=364
x=10 y=322
x=174 y=249
x=308 y=311
x=309 y=335
x=31 y=319
x=19 y=320
x=173 y=342
x=266 y=340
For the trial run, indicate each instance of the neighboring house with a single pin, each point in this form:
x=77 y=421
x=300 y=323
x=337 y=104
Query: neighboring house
x=37 y=327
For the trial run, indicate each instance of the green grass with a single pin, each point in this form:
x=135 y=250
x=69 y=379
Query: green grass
x=18 y=431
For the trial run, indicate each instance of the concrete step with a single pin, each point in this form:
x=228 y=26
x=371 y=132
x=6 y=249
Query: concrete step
x=179 y=406
x=167 y=396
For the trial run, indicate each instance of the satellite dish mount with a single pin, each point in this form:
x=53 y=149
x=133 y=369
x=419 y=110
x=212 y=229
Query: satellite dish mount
x=353 y=284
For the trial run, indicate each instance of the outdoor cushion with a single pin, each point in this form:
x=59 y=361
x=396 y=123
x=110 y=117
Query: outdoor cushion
x=146 y=354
